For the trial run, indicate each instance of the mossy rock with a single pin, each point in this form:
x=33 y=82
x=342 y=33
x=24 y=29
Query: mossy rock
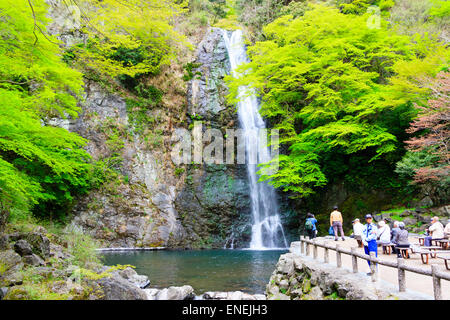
x=306 y=286
x=17 y=293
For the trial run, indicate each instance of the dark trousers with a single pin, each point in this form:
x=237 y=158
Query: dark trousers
x=428 y=239
x=360 y=243
x=337 y=225
x=311 y=233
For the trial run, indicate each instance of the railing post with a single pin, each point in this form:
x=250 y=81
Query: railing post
x=338 y=256
x=436 y=283
x=302 y=245
x=307 y=248
x=401 y=275
x=354 y=260
x=314 y=249
x=373 y=267
x=326 y=258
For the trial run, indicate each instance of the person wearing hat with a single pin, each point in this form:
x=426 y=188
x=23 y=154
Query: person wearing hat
x=357 y=232
x=369 y=236
x=336 y=222
x=383 y=233
x=436 y=231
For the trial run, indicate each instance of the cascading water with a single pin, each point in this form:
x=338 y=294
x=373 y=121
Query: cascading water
x=267 y=231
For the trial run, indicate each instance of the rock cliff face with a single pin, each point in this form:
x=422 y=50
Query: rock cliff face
x=214 y=203
x=136 y=208
x=137 y=212
x=154 y=202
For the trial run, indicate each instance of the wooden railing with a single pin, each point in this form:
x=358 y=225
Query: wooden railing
x=436 y=274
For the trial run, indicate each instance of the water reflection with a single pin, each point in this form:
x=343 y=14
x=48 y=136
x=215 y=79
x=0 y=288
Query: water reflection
x=204 y=270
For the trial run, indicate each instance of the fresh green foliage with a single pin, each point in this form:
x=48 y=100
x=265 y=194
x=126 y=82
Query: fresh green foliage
x=30 y=62
x=338 y=91
x=127 y=39
x=41 y=166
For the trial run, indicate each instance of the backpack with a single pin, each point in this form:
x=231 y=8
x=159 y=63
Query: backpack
x=308 y=224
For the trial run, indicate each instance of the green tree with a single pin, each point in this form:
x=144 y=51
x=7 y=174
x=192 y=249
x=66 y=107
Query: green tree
x=39 y=164
x=337 y=90
x=127 y=38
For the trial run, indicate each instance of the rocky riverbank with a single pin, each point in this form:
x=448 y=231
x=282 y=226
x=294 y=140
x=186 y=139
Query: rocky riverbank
x=37 y=265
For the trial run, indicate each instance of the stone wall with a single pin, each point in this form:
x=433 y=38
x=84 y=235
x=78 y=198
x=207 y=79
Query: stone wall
x=299 y=277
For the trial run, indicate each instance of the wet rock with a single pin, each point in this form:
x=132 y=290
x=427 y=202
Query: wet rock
x=23 y=248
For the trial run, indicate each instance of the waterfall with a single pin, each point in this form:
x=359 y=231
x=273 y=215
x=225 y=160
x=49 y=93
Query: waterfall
x=267 y=231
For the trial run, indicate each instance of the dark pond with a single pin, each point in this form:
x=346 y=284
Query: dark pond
x=204 y=270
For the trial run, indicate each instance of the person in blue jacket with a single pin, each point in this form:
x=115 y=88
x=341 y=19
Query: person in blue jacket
x=369 y=236
x=310 y=225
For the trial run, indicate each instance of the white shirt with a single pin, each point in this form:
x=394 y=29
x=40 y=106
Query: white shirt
x=358 y=229
x=437 y=230
x=385 y=234
x=447 y=229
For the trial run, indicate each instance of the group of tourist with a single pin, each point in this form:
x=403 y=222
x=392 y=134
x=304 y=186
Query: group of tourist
x=371 y=236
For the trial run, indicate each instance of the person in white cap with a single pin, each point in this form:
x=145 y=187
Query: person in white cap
x=357 y=232
x=369 y=237
x=436 y=230
x=383 y=233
